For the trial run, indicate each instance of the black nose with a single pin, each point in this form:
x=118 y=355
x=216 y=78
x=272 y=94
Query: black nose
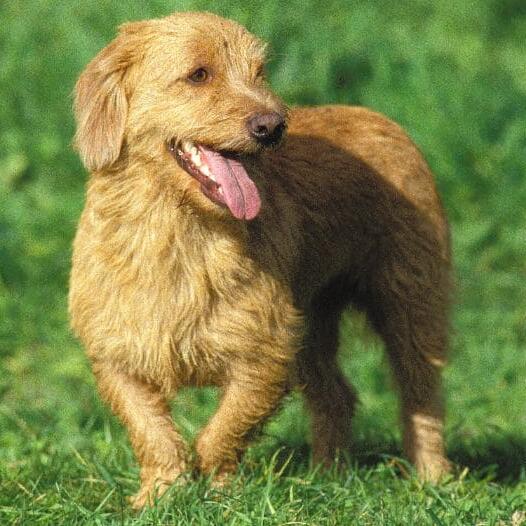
x=266 y=128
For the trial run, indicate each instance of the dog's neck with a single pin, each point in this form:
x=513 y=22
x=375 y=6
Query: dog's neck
x=152 y=201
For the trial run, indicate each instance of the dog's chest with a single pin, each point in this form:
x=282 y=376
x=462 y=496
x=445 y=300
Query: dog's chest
x=176 y=300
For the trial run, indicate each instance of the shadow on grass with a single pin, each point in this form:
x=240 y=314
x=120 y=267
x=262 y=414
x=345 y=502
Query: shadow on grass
x=496 y=456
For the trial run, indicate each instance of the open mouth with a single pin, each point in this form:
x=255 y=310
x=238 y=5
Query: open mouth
x=223 y=179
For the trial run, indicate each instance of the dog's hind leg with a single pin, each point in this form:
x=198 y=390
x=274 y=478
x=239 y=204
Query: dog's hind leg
x=408 y=305
x=329 y=398
x=143 y=409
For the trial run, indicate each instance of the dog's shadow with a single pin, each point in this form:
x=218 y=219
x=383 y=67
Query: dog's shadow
x=495 y=456
x=494 y=453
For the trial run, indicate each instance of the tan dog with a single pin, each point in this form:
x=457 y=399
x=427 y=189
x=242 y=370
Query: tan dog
x=206 y=257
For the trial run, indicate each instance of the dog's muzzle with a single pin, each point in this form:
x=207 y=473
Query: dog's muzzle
x=266 y=128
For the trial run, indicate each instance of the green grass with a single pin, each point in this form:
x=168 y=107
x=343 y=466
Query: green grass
x=452 y=73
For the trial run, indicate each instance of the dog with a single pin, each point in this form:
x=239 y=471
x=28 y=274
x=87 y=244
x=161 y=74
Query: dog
x=222 y=237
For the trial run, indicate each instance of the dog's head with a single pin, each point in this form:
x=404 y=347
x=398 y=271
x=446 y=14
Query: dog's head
x=189 y=90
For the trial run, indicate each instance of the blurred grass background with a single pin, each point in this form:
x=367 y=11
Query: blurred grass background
x=452 y=73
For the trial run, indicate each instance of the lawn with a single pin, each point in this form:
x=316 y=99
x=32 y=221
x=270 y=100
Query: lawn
x=453 y=74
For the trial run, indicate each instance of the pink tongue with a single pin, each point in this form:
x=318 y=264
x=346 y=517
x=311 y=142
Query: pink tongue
x=240 y=193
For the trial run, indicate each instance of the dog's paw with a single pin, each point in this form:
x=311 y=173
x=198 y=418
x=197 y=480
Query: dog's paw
x=221 y=481
x=154 y=488
x=224 y=485
x=433 y=469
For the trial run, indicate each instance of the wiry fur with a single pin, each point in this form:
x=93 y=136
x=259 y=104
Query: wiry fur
x=168 y=289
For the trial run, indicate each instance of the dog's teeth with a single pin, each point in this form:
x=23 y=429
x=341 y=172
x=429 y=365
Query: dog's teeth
x=205 y=170
x=196 y=159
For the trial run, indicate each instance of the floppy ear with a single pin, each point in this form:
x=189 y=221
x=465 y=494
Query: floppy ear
x=101 y=107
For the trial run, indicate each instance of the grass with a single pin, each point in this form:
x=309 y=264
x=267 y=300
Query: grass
x=452 y=73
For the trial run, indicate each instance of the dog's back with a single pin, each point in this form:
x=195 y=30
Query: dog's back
x=351 y=187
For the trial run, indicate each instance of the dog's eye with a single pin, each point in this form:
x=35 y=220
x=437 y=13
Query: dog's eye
x=199 y=76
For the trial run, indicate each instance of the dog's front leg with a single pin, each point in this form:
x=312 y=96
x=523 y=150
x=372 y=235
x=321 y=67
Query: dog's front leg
x=251 y=395
x=158 y=447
